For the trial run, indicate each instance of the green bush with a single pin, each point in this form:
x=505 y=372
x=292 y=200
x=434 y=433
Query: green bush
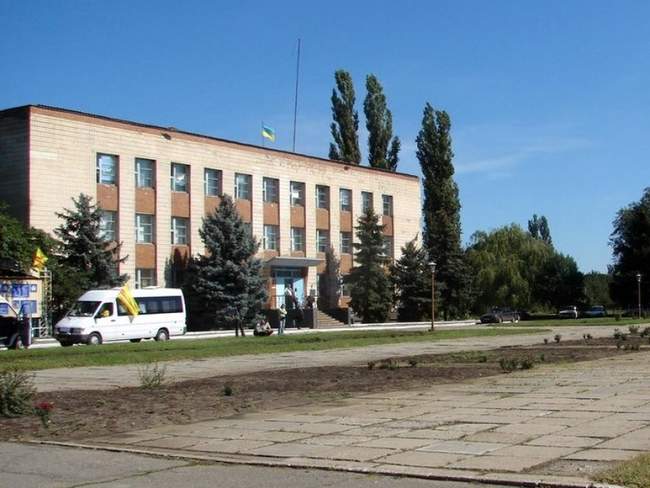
x=16 y=393
x=557 y=338
x=634 y=329
x=152 y=375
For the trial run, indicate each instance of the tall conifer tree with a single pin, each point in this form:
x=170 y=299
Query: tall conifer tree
x=441 y=209
x=379 y=122
x=226 y=283
x=345 y=126
x=371 y=293
x=411 y=278
x=85 y=249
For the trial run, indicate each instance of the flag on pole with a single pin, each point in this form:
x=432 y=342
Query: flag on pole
x=126 y=298
x=39 y=259
x=268 y=133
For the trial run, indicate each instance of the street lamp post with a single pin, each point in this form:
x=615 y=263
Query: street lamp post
x=638 y=283
x=432 y=265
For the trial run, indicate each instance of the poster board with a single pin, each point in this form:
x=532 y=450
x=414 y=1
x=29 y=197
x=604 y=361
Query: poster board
x=23 y=293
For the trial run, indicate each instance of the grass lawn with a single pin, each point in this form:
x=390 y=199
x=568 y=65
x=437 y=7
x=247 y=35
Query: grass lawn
x=150 y=351
x=634 y=473
x=622 y=323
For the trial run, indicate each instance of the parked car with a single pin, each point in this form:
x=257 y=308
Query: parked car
x=568 y=312
x=498 y=315
x=595 y=311
x=11 y=327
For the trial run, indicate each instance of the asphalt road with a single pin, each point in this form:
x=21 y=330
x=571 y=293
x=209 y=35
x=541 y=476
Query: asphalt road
x=43 y=466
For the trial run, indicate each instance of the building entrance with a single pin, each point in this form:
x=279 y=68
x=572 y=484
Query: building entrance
x=285 y=278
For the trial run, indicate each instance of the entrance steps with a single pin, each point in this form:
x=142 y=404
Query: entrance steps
x=326 y=321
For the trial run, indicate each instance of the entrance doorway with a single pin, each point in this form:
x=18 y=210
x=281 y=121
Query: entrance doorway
x=285 y=278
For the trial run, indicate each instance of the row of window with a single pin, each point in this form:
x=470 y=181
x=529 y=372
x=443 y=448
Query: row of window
x=212 y=181
x=144 y=228
x=271 y=240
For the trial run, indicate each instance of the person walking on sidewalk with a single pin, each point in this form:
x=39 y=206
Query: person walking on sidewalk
x=282 y=313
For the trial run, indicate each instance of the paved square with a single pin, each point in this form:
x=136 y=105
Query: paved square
x=509 y=425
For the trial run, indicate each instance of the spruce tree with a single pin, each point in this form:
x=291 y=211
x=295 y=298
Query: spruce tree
x=345 y=126
x=84 y=248
x=379 y=122
x=371 y=292
x=441 y=209
x=329 y=281
x=411 y=278
x=226 y=282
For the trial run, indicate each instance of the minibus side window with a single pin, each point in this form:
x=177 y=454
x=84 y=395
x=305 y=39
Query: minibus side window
x=106 y=310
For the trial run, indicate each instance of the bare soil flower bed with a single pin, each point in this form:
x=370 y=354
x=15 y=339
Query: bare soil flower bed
x=82 y=413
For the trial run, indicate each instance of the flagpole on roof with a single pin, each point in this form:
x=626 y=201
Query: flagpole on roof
x=262 y=134
x=295 y=100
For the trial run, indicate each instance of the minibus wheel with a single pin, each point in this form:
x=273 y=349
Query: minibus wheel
x=162 y=335
x=94 y=339
x=135 y=340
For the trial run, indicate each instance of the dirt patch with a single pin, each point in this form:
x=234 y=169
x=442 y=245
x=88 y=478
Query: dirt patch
x=81 y=414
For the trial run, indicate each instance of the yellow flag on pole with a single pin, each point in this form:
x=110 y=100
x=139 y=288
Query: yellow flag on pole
x=39 y=259
x=126 y=298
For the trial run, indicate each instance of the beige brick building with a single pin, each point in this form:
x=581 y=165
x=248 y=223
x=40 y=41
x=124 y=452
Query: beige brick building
x=155 y=184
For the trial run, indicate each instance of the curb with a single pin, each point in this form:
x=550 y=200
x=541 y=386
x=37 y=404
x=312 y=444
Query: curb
x=487 y=478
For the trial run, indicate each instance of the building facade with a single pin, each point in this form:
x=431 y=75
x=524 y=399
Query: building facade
x=155 y=184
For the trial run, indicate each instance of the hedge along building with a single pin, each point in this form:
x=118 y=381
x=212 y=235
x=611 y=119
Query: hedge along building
x=154 y=185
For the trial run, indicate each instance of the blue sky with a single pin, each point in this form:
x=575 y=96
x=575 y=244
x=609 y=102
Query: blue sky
x=549 y=100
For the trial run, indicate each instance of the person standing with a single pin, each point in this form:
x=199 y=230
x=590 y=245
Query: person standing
x=282 y=313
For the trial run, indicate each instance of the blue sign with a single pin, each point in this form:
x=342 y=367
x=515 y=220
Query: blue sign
x=19 y=290
x=4 y=309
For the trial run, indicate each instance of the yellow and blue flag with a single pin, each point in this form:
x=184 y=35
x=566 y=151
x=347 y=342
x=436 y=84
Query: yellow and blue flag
x=268 y=133
x=126 y=298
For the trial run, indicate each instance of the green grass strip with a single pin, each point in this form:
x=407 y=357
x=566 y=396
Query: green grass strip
x=174 y=350
x=601 y=321
x=634 y=473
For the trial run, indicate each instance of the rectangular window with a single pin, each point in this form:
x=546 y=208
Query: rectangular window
x=144 y=173
x=346 y=242
x=366 y=201
x=108 y=225
x=322 y=240
x=270 y=190
x=322 y=196
x=345 y=197
x=212 y=182
x=107 y=169
x=271 y=238
x=297 y=239
x=297 y=193
x=243 y=184
x=145 y=277
x=179 y=176
x=387 y=202
x=388 y=247
x=154 y=305
x=179 y=231
x=144 y=228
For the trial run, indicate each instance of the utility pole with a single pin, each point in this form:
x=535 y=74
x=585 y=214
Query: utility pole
x=432 y=265
x=295 y=100
x=638 y=282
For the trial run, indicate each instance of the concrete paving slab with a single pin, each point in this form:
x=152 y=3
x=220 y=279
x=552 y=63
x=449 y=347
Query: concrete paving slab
x=531 y=429
x=605 y=427
x=462 y=447
x=338 y=440
x=638 y=440
x=498 y=437
x=498 y=463
x=394 y=443
x=540 y=452
x=603 y=455
x=428 y=459
x=228 y=446
x=564 y=441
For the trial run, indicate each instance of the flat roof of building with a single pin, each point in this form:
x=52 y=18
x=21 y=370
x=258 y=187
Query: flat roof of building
x=174 y=130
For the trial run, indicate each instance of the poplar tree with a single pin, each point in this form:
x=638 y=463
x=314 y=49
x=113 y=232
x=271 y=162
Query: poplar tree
x=226 y=284
x=411 y=279
x=379 y=122
x=441 y=211
x=345 y=126
x=539 y=229
x=84 y=248
x=370 y=292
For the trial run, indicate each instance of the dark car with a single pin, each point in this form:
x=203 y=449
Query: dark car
x=498 y=315
x=10 y=332
x=595 y=311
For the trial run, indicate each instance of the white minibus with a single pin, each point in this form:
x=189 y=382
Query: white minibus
x=98 y=317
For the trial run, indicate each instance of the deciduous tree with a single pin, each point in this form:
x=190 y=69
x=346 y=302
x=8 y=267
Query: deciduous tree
x=345 y=126
x=383 y=148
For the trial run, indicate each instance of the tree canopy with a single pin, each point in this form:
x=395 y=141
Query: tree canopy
x=539 y=229
x=345 y=126
x=383 y=148
x=411 y=278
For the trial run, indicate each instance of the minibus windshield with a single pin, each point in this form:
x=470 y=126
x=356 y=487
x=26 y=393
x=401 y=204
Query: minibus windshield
x=83 y=309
